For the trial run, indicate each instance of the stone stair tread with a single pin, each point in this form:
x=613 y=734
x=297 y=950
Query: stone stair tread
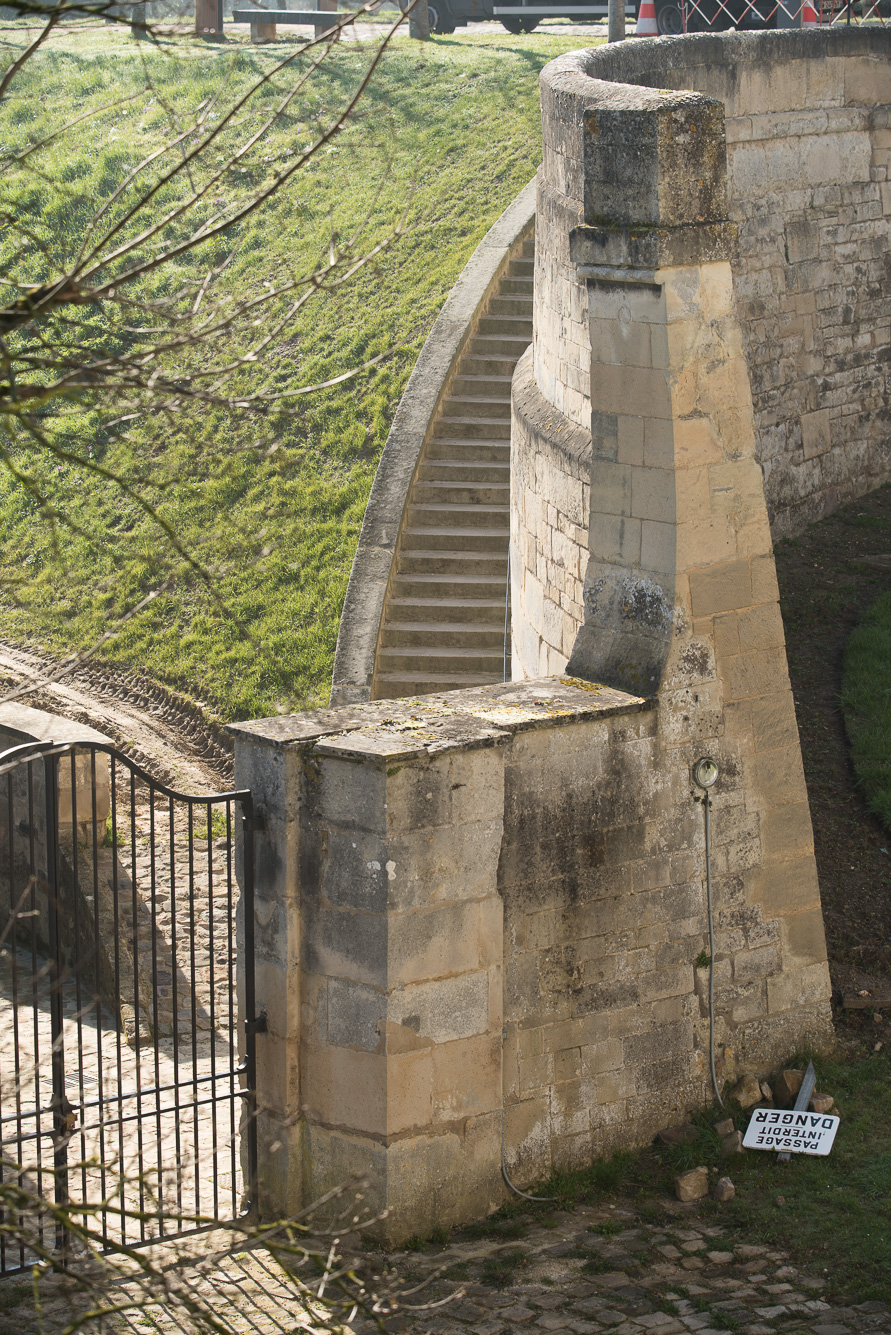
x=469 y=440
x=409 y=601
x=443 y=622
x=446 y=651
x=453 y=581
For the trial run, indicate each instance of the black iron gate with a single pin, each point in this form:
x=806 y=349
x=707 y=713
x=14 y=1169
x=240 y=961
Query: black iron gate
x=127 y=1010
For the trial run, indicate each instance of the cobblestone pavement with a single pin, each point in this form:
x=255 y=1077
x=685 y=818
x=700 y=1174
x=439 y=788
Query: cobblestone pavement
x=594 y=1271
x=605 y=1270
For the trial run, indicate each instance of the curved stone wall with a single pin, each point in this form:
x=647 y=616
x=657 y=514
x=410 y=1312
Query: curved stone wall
x=641 y=546
x=808 y=138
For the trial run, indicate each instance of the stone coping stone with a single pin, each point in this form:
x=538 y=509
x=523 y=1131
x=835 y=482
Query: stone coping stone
x=36 y=725
x=424 y=725
x=623 y=62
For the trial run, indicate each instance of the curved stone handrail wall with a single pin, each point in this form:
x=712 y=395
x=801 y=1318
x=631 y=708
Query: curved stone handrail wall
x=807 y=122
x=808 y=134
x=360 y=621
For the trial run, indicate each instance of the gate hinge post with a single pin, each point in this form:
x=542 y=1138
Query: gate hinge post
x=257 y=1026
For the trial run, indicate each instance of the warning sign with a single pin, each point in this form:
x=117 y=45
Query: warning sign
x=795 y=1132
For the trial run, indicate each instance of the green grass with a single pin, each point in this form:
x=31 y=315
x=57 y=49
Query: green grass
x=866 y=700
x=836 y=1217
x=450 y=128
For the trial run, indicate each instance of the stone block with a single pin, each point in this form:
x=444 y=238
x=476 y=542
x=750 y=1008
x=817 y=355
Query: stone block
x=692 y=1185
x=433 y=943
x=802 y=988
x=786 y=1087
x=725 y=588
x=447 y=1009
x=777 y=777
x=774 y=725
x=354 y=1014
x=803 y=938
x=815 y=433
x=466 y=1077
x=755 y=674
x=761 y=628
x=785 y=887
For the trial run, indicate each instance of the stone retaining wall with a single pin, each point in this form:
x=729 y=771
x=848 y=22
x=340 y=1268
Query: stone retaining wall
x=808 y=140
x=492 y=902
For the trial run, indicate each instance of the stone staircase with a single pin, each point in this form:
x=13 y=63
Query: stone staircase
x=445 y=614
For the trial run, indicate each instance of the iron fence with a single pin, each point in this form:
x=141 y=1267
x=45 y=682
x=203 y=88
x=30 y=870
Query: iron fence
x=128 y=1026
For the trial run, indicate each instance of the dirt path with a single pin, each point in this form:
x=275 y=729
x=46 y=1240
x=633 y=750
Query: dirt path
x=166 y=734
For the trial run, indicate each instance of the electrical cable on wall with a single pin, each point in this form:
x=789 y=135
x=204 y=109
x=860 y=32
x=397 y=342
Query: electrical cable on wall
x=705 y=776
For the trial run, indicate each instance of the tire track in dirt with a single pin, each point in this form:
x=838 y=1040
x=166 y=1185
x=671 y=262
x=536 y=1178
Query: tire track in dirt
x=168 y=735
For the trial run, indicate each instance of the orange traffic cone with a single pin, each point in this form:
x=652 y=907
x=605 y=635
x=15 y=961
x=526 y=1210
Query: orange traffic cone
x=646 y=19
x=809 y=15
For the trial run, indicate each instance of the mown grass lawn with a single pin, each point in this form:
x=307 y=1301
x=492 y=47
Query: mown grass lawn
x=449 y=129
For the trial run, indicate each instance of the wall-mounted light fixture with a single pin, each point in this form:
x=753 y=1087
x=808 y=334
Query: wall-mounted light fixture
x=705 y=773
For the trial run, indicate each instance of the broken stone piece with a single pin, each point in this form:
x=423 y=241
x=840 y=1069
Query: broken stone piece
x=733 y=1143
x=692 y=1185
x=684 y=1133
x=747 y=1092
x=723 y=1190
x=822 y=1103
x=724 y=1128
x=786 y=1087
x=766 y=1090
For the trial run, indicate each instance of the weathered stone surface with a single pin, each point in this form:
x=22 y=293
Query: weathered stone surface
x=692 y=1185
x=723 y=1190
x=786 y=1087
x=725 y=1127
x=748 y=1091
x=684 y=1133
x=732 y=1143
x=822 y=1103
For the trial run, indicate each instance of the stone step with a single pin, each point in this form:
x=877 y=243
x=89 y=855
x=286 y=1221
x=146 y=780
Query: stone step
x=470 y=428
x=431 y=634
x=448 y=538
x=448 y=586
x=517 y=285
x=482 y=386
x=395 y=685
x=459 y=516
x=444 y=619
x=490 y=346
x=505 y=326
x=441 y=659
x=514 y=305
x=479 y=610
x=455 y=492
x=477 y=407
x=465 y=470
x=434 y=561
x=496 y=451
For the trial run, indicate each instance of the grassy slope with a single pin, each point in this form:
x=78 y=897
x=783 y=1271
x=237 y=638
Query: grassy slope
x=866 y=700
x=459 y=118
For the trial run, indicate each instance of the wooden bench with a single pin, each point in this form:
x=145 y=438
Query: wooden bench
x=264 y=21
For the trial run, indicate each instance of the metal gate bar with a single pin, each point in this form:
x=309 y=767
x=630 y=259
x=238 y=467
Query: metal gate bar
x=122 y=956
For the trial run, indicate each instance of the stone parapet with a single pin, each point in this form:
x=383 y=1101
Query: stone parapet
x=490 y=903
x=808 y=133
